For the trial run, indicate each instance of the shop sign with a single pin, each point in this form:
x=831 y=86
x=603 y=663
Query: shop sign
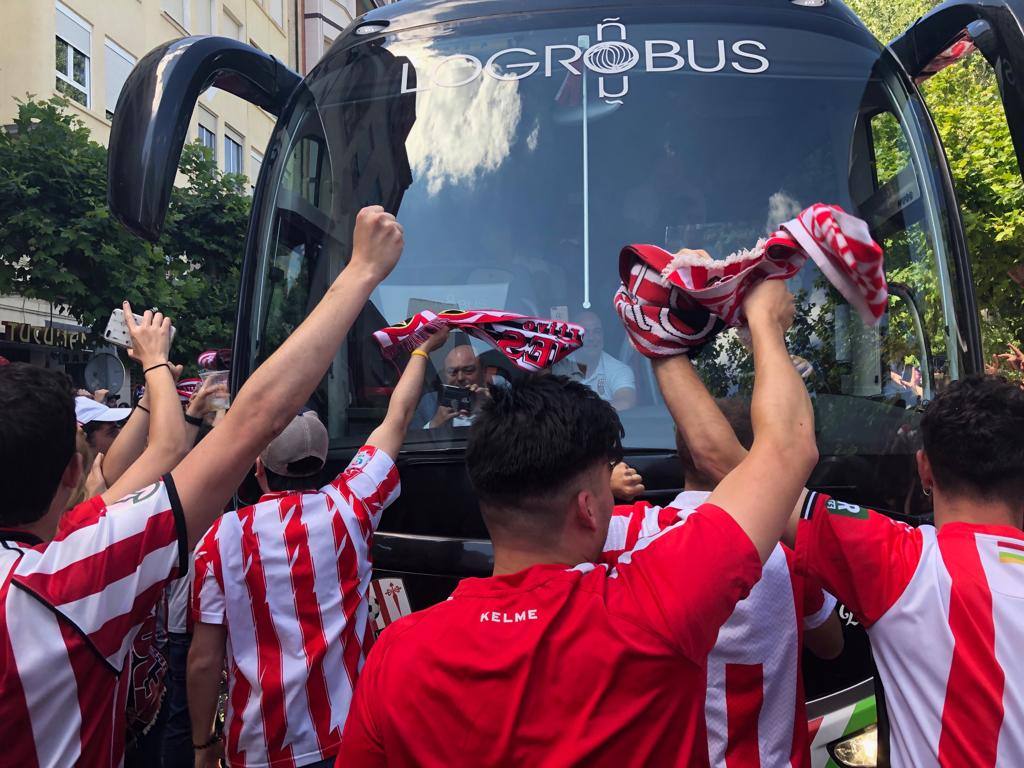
x=24 y=333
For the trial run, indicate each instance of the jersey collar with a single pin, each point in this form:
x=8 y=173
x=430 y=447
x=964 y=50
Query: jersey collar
x=519 y=581
x=969 y=529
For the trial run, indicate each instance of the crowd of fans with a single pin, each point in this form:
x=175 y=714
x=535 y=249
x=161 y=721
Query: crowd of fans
x=608 y=634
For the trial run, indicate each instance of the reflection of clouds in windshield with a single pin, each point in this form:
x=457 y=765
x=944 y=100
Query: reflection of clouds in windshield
x=531 y=140
x=461 y=132
x=782 y=206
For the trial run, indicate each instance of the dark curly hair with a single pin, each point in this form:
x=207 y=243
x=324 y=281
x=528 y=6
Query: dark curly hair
x=37 y=439
x=973 y=434
x=531 y=440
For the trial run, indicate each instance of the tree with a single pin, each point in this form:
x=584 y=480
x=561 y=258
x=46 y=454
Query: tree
x=965 y=103
x=59 y=241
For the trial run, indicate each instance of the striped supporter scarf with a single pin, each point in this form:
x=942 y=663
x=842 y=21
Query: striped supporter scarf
x=532 y=343
x=660 y=290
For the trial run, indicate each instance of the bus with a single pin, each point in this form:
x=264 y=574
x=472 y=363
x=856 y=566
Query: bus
x=522 y=143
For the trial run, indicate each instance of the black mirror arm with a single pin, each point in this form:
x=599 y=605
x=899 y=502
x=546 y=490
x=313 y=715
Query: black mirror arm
x=155 y=108
x=995 y=27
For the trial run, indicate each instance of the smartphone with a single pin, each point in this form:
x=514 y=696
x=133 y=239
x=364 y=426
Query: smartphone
x=457 y=398
x=117 y=330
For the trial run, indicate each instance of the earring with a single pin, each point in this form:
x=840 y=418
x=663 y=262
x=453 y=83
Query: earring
x=926 y=491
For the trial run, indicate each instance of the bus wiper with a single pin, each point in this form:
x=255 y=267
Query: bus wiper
x=583 y=41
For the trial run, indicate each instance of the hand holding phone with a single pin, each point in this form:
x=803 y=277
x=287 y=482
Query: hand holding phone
x=150 y=337
x=457 y=398
x=117 y=329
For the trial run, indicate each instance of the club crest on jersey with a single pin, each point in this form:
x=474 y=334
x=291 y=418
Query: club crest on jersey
x=846 y=510
x=361 y=459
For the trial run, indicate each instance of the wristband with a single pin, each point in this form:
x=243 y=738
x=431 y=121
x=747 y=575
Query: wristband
x=142 y=408
x=215 y=739
x=154 y=367
x=421 y=353
x=195 y=421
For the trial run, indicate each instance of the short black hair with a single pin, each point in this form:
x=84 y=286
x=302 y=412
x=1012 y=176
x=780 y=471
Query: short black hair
x=534 y=438
x=973 y=435
x=737 y=412
x=37 y=439
x=306 y=475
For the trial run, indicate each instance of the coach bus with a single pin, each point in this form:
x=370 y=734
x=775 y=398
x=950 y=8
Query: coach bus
x=521 y=143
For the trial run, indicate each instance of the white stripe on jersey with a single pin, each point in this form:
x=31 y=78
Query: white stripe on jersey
x=1007 y=586
x=618 y=527
x=917 y=637
x=46 y=678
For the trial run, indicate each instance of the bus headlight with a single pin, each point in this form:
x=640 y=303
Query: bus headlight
x=858 y=750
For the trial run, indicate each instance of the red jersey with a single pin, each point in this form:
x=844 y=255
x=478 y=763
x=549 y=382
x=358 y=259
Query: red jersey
x=943 y=610
x=69 y=612
x=754 y=710
x=288 y=577
x=559 y=666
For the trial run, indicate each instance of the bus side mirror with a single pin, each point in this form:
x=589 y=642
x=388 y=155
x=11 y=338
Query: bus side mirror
x=155 y=108
x=958 y=28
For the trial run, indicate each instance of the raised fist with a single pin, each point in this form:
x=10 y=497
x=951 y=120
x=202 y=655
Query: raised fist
x=377 y=243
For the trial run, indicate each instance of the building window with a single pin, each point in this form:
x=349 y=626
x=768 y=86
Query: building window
x=118 y=64
x=208 y=131
x=233 y=27
x=233 y=154
x=255 y=163
x=176 y=9
x=276 y=10
x=202 y=17
x=73 y=48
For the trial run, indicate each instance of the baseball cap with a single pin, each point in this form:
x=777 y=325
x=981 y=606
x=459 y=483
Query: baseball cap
x=305 y=436
x=88 y=410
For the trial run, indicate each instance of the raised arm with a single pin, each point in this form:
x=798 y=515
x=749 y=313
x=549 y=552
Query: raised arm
x=166 y=444
x=762 y=491
x=277 y=389
x=132 y=439
x=708 y=434
x=389 y=436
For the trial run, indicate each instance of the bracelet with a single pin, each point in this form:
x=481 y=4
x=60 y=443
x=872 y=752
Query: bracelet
x=421 y=353
x=154 y=367
x=195 y=421
x=215 y=739
x=142 y=408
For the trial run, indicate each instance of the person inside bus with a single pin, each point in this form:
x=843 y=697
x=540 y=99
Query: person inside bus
x=612 y=379
x=286 y=551
x=751 y=655
x=464 y=370
x=558 y=659
x=71 y=604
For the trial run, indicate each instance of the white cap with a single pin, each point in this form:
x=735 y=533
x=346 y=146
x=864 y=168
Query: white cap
x=88 y=410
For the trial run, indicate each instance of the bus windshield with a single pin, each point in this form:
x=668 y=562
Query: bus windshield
x=521 y=154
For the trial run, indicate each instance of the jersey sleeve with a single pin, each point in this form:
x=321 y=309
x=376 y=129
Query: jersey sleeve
x=106 y=574
x=862 y=557
x=372 y=478
x=208 y=604
x=684 y=582
x=818 y=604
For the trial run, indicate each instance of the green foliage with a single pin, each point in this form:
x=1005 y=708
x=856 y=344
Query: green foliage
x=59 y=242
x=964 y=101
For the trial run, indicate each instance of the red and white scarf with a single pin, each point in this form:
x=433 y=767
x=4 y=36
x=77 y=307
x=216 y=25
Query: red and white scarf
x=840 y=244
x=532 y=343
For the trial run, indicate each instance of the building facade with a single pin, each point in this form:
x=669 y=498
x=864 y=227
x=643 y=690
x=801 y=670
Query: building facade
x=84 y=50
x=323 y=21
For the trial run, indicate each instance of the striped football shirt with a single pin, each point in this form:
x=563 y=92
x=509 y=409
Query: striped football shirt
x=943 y=610
x=288 y=577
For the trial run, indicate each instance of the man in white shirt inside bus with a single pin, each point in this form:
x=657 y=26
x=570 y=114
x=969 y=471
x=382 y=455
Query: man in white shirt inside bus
x=612 y=379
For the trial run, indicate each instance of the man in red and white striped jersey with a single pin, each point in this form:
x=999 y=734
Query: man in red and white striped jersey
x=942 y=604
x=755 y=710
x=71 y=604
x=558 y=659
x=282 y=586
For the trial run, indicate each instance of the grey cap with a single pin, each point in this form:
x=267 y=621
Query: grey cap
x=306 y=436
